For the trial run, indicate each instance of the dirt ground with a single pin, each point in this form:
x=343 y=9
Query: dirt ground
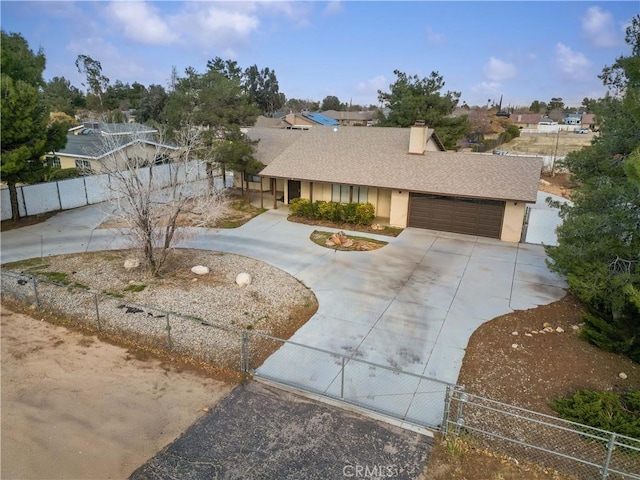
x=76 y=407
x=544 y=366
x=558 y=184
x=548 y=144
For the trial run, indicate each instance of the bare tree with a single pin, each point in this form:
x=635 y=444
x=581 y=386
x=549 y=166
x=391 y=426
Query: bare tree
x=153 y=184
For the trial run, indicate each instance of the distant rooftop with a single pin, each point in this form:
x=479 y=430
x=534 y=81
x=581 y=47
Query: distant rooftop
x=321 y=119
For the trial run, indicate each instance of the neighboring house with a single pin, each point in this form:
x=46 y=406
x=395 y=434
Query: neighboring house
x=525 y=120
x=573 y=119
x=307 y=119
x=404 y=173
x=589 y=121
x=262 y=121
x=367 y=118
x=87 y=152
x=113 y=129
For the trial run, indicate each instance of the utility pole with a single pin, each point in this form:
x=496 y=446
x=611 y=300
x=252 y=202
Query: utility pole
x=555 y=153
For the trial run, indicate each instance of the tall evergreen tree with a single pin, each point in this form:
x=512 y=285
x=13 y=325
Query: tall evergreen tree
x=26 y=133
x=599 y=241
x=413 y=99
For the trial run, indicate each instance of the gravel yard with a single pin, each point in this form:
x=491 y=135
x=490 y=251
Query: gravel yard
x=196 y=315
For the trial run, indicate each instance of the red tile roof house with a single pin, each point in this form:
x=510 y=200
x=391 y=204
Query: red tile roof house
x=404 y=173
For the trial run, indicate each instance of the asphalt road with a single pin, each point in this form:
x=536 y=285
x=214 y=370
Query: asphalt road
x=259 y=432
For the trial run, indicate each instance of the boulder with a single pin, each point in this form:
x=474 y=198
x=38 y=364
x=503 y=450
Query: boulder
x=622 y=375
x=243 y=279
x=131 y=263
x=560 y=330
x=339 y=238
x=200 y=270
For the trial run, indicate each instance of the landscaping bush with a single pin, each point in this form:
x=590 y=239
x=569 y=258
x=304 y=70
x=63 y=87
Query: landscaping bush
x=63 y=174
x=604 y=410
x=365 y=213
x=349 y=212
x=331 y=211
x=299 y=206
x=355 y=213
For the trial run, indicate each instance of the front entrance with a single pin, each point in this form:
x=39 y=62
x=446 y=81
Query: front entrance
x=293 y=187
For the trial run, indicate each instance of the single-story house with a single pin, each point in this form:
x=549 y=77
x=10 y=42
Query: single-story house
x=589 y=121
x=404 y=173
x=88 y=152
x=307 y=119
x=113 y=129
x=526 y=120
x=366 y=118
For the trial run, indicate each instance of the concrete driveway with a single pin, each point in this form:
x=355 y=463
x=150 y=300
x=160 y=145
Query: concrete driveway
x=411 y=305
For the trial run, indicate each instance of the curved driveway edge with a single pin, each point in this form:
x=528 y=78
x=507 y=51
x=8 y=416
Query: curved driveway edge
x=411 y=305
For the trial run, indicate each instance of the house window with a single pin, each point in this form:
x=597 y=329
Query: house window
x=342 y=194
x=252 y=178
x=83 y=165
x=53 y=162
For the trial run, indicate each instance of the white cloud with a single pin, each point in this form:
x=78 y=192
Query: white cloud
x=572 y=65
x=334 y=7
x=296 y=12
x=433 y=37
x=488 y=89
x=598 y=26
x=219 y=27
x=497 y=70
x=141 y=22
x=372 y=85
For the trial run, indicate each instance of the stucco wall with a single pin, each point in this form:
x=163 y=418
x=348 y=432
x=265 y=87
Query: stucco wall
x=383 y=207
x=399 y=210
x=512 y=221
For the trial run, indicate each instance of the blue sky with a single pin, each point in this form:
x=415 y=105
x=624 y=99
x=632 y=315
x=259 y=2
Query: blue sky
x=524 y=51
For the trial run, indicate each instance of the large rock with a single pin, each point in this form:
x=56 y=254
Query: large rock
x=131 y=263
x=200 y=270
x=243 y=279
x=339 y=239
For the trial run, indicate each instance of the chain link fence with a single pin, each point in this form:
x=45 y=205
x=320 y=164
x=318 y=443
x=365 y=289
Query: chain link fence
x=570 y=448
x=404 y=396
x=215 y=344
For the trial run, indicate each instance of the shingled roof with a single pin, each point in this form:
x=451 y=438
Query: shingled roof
x=93 y=147
x=378 y=157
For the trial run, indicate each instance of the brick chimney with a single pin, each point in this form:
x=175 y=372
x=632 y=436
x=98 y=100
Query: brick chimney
x=418 y=138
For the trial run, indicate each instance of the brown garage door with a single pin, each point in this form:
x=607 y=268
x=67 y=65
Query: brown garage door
x=455 y=214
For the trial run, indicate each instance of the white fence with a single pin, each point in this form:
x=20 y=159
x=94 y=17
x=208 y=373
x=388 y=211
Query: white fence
x=78 y=192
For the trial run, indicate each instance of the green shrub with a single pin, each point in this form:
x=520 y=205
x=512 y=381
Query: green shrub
x=604 y=410
x=365 y=213
x=63 y=174
x=331 y=211
x=349 y=212
x=356 y=213
x=298 y=204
